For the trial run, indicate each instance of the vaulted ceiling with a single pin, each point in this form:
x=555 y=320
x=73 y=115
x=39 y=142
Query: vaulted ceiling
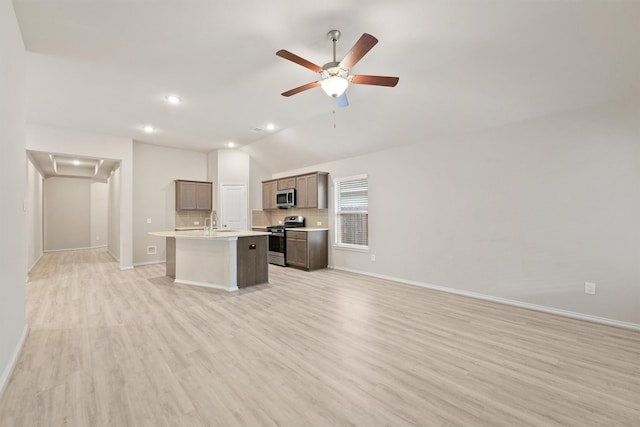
x=464 y=65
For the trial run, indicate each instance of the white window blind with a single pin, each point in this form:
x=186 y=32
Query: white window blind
x=352 y=211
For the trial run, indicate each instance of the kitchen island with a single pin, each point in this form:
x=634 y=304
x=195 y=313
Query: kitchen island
x=228 y=259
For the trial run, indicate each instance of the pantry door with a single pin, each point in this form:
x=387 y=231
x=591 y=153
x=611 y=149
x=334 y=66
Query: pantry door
x=233 y=207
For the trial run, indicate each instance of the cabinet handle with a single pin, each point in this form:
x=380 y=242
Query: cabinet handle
x=252 y=247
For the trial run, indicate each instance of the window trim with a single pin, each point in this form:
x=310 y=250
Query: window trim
x=348 y=246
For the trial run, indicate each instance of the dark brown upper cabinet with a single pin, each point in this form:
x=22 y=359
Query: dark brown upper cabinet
x=193 y=195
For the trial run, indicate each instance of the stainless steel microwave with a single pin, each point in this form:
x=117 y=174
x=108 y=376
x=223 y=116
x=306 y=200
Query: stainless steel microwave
x=286 y=199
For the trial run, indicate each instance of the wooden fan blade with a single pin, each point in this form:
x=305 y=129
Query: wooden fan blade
x=375 y=80
x=301 y=88
x=360 y=49
x=300 y=61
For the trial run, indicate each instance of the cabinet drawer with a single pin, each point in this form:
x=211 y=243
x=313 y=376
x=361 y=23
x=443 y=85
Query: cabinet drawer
x=298 y=235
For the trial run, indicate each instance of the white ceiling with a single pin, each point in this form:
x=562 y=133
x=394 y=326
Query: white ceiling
x=105 y=66
x=60 y=165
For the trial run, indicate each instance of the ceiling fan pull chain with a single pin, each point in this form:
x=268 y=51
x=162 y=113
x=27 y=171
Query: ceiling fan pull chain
x=334 y=119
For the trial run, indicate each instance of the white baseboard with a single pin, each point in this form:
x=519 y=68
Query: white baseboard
x=8 y=370
x=205 y=285
x=126 y=267
x=35 y=262
x=74 y=249
x=137 y=264
x=536 y=307
x=112 y=255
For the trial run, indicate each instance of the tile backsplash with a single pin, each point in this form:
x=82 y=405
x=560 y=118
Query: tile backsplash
x=312 y=217
x=190 y=218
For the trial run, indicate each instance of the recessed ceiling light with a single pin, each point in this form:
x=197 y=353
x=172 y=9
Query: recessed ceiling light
x=76 y=162
x=148 y=129
x=172 y=99
x=271 y=126
x=231 y=144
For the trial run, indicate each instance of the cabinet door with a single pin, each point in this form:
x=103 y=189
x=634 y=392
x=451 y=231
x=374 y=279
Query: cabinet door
x=203 y=196
x=286 y=183
x=252 y=266
x=317 y=249
x=269 y=195
x=296 y=252
x=301 y=192
x=185 y=196
x=312 y=191
x=323 y=190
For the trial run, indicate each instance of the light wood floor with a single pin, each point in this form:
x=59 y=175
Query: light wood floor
x=328 y=348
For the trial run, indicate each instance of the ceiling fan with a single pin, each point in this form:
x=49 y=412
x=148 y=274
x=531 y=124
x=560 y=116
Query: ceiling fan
x=334 y=76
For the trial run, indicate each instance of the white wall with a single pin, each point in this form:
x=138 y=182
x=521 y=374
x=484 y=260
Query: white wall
x=154 y=172
x=527 y=212
x=113 y=215
x=13 y=173
x=99 y=213
x=67 y=213
x=212 y=175
x=258 y=173
x=75 y=213
x=233 y=167
x=35 y=184
x=79 y=143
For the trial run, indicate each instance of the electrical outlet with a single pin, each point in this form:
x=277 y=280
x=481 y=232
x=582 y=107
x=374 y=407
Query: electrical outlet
x=152 y=250
x=279 y=222
x=319 y=223
x=589 y=288
x=196 y=222
x=97 y=237
x=148 y=220
x=373 y=257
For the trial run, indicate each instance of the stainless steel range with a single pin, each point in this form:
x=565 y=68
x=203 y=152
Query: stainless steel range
x=278 y=239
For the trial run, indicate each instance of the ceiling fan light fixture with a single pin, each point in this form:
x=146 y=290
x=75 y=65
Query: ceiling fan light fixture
x=334 y=86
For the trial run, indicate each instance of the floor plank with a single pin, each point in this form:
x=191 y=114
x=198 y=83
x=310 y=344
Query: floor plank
x=325 y=348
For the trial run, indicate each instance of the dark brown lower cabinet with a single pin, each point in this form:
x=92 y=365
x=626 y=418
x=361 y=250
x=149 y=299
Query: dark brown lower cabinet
x=307 y=250
x=252 y=260
x=171 y=257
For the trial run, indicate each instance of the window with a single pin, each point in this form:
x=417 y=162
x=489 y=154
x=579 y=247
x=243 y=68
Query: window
x=352 y=212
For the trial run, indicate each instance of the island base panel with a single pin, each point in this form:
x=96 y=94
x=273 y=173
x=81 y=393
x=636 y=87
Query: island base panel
x=252 y=261
x=171 y=257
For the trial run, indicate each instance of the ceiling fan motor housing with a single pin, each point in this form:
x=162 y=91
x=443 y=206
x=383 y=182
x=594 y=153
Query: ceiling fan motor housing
x=332 y=69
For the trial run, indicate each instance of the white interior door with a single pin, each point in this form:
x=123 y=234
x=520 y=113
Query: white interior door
x=233 y=206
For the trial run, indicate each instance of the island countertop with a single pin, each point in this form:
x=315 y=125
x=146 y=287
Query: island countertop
x=307 y=229
x=215 y=235
x=228 y=259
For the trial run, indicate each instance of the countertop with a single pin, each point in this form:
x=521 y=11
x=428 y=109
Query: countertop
x=261 y=227
x=307 y=229
x=216 y=235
